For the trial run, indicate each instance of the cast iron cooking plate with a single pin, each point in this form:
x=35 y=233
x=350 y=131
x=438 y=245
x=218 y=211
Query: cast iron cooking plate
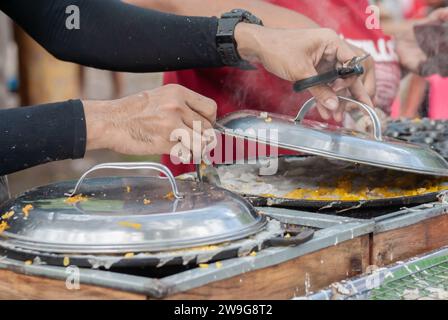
x=112 y=217
x=294 y=163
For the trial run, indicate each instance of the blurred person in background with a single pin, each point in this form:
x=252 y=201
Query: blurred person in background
x=234 y=89
x=438 y=85
x=421 y=96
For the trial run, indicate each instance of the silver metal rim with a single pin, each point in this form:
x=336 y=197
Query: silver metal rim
x=376 y=123
x=138 y=247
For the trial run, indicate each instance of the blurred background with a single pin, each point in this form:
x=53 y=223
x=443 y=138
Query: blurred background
x=419 y=97
x=32 y=76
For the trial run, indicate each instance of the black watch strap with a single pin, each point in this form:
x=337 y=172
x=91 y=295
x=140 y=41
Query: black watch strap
x=225 y=37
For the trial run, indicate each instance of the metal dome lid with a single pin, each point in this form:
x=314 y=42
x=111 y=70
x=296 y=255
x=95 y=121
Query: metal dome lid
x=125 y=214
x=329 y=141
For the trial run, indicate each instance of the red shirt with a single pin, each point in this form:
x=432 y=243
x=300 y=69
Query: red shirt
x=235 y=89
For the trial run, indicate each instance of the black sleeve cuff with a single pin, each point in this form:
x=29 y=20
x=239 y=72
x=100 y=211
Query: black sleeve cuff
x=39 y=134
x=79 y=129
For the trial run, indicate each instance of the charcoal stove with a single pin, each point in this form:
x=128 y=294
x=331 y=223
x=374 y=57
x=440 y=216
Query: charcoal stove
x=351 y=240
x=331 y=232
x=427 y=132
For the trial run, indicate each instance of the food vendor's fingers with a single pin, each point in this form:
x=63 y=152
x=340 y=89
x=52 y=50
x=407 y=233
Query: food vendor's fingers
x=337 y=115
x=183 y=143
x=178 y=150
x=357 y=89
x=348 y=122
x=197 y=141
x=325 y=96
x=200 y=125
x=369 y=82
x=182 y=153
x=195 y=120
x=341 y=84
x=202 y=105
x=324 y=113
x=382 y=116
x=359 y=93
x=344 y=53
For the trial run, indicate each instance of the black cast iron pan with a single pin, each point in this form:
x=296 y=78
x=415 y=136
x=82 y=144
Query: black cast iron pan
x=388 y=204
x=272 y=236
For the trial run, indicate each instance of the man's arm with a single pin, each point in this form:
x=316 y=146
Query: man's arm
x=273 y=16
x=118 y=36
x=39 y=134
x=140 y=124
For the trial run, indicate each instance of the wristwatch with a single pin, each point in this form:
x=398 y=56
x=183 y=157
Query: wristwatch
x=225 y=37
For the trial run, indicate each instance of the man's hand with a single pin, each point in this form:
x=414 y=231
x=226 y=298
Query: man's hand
x=299 y=54
x=142 y=124
x=369 y=77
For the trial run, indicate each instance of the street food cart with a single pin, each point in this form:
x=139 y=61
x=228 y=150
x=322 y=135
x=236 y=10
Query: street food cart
x=149 y=237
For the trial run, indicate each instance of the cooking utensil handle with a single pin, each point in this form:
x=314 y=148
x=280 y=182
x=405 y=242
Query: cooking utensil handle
x=369 y=110
x=324 y=78
x=328 y=77
x=300 y=238
x=132 y=166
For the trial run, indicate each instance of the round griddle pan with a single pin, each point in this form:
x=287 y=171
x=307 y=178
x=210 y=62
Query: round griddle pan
x=336 y=205
x=272 y=236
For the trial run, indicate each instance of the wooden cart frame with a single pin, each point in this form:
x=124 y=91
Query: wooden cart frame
x=342 y=248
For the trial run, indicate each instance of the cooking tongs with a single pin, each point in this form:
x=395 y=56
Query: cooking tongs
x=208 y=173
x=348 y=69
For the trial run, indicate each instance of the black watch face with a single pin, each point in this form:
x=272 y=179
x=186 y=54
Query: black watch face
x=225 y=36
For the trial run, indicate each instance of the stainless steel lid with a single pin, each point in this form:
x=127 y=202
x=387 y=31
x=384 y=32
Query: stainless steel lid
x=126 y=214
x=333 y=142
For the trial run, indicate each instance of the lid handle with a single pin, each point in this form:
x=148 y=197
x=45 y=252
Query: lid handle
x=132 y=166
x=369 y=110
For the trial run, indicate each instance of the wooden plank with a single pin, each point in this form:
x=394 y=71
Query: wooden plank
x=293 y=278
x=19 y=286
x=404 y=243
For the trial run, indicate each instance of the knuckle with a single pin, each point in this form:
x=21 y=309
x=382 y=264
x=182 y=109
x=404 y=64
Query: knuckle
x=173 y=106
x=175 y=88
x=213 y=107
x=330 y=33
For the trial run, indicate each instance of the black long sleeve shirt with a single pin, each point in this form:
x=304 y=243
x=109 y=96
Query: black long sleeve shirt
x=112 y=35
